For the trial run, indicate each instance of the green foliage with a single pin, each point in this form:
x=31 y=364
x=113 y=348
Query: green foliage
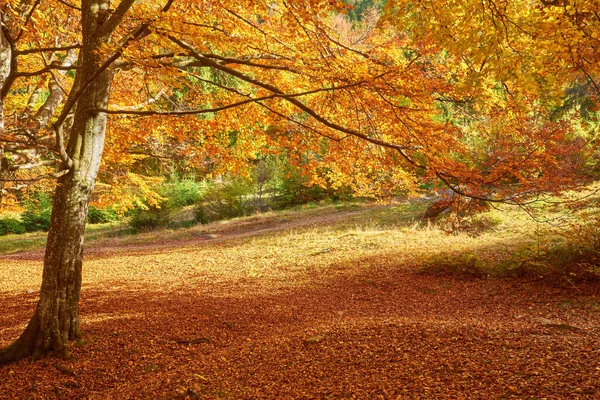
x=227 y=199
x=272 y=183
x=177 y=193
x=359 y=9
x=152 y=218
x=11 y=225
x=572 y=255
x=181 y=192
x=579 y=256
x=38 y=209
x=557 y=262
x=293 y=190
x=101 y=216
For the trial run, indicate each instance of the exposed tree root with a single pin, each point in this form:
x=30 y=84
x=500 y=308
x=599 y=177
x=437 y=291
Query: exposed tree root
x=35 y=342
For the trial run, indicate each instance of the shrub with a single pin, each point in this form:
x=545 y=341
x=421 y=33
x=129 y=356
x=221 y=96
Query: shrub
x=579 y=257
x=181 y=192
x=177 y=193
x=152 y=218
x=100 y=216
x=293 y=190
x=229 y=199
x=38 y=209
x=11 y=225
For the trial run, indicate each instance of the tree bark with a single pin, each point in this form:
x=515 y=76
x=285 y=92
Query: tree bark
x=5 y=67
x=56 y=318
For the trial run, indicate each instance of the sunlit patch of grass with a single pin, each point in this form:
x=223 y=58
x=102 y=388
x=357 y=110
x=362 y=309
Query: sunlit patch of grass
x=37 y=240
x=24 y=242
x=99 y=317
x=339 y=240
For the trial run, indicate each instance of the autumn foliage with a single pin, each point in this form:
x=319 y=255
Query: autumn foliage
x=380 y=105
x=468 y=98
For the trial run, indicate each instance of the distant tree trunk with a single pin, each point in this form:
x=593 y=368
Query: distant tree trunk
x=56 y=318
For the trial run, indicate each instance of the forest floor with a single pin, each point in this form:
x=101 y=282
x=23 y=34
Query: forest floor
x=330 y=302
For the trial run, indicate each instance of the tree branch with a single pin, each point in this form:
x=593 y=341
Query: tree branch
x=37 y=178
x=222 y=108
x=290 y=99
x=69 y=5
x=116 y=17
x=27 y=19
x=50 y=67
x=44 y=49
x=137 y=33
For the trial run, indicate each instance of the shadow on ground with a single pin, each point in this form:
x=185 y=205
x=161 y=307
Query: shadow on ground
x=380 y=333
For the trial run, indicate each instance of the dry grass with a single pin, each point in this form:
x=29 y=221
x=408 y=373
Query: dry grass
x=285 y=248
x=312 y=303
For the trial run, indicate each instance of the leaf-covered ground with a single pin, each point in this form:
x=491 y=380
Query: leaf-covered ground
x=332 y=307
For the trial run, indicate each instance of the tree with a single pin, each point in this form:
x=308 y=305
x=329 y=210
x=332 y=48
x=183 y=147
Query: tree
x=536 y=46
x=223 y=81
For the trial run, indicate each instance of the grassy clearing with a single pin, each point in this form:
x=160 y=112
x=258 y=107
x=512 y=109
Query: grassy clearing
x=37 y=240
x=279 y=303
x=294 y=246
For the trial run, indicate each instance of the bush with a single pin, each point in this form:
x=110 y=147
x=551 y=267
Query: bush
x=230 y=199
x=181 y=192
x=225 y=200
x=579 y=257
x=293 y=190
x=101 y=216
x=11 y=225
x=152 y=218
x=38 y=209
x=557 y=262
x=177 y=193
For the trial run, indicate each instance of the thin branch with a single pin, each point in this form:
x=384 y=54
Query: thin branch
x=27 y=19
x=69 y=5
x=222 y=108
x=37 y=178
x=310 y=128
x=205 y=26
x=44 y=49
x=257 y=28
x=290 y=99
x=230 y=60
x=183 y=112
x=50 y=67
x=143 y=153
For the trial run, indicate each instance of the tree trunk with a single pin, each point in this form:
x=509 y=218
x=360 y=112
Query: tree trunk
x=5 y=66
x=56 y=318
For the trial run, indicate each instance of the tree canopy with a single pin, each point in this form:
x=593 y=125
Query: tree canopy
x=301 y=76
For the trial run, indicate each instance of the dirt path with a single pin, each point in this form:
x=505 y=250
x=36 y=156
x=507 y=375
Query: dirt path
x=209 y=234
